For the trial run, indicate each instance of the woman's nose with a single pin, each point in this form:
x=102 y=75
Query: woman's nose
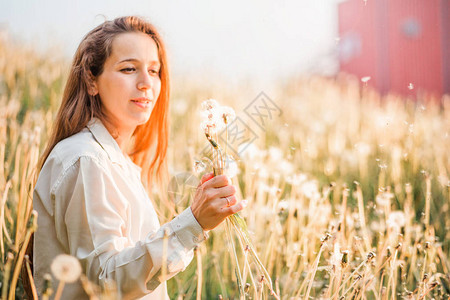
x=145 y=82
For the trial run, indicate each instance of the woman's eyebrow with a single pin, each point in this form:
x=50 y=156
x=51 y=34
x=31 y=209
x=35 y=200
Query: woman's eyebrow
x=137 y=60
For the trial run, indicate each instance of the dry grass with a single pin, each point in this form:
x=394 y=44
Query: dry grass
x=348 y=192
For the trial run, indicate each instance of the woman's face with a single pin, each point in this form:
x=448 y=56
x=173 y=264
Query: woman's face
x=129 y=84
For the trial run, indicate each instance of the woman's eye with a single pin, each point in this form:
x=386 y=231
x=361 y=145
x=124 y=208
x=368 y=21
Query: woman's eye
x=154 y=72
x=128 y=69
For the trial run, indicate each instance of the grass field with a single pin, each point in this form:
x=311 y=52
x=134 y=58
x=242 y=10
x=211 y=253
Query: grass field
x=348 y=190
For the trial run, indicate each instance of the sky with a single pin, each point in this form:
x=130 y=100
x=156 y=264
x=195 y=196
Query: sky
x=261 y=40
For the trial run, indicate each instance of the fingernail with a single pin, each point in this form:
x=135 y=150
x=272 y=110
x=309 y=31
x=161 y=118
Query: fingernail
x=244 y=203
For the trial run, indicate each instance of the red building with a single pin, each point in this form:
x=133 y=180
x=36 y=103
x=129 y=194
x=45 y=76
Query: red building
x=403 y=45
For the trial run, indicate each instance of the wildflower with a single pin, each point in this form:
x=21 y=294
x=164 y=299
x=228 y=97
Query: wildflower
x=216 y=118
x=396 y=220
x=47 y=290
x=344 y=260
x=326 y=237
x=310 y=189
x=370 y=256
x=388 y=252
x=296 y=179
x=336 y=257
x=227 y=114
x=384 y=198
x=275 y=154
x=212 y=116
x=66 y=268
x=286 y=167
x=363 y=149
x=209 y=104
x=208 y=126
x=199 y=166
x=433 y=284
x=249 y=151
x=283 y=205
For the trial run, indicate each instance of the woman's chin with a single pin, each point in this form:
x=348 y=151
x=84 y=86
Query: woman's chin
x=142 y=119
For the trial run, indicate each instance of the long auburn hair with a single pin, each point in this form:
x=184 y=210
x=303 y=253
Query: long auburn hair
x=78 y=107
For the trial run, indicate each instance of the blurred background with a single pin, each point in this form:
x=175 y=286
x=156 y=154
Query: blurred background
x=344 y=118
x=401 y=46
x=254 y=40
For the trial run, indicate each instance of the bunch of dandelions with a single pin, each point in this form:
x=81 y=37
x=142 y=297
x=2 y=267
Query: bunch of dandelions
x=216 y=119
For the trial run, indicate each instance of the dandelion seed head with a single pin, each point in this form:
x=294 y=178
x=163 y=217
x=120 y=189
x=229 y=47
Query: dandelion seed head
x=209 y=104
x=249 y=151
x=207 y=125
x=396 y=220
x=296 y=179
x=384 y=198
x=310 y=189
x=363 y=149
x=227 y=114
x=263 y=173
x=283 y=205
x=286 y=167
x=275 y=154
x=336 y=257
x=66 y=268
x=199 y=166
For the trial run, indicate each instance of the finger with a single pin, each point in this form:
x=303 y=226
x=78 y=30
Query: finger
x=225 y=191
x=217 y=182
x=229 y=201
x=236 y=207
x=207 y=177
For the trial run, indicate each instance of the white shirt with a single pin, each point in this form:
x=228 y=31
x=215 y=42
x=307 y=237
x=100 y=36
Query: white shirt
x=92 y=205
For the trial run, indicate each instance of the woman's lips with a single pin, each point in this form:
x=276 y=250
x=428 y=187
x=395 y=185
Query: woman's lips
x=142 y=102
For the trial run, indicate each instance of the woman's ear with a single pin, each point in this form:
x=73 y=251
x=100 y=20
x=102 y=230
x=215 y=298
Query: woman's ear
x=93 y=89
x=92 y=85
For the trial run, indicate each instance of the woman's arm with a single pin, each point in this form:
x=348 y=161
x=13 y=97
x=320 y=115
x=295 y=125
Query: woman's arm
x=91 y=218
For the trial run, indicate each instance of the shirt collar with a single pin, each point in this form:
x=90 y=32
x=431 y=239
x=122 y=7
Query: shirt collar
x=106 y=141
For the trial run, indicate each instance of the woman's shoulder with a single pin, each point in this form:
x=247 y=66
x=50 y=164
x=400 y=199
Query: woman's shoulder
x=82 y=144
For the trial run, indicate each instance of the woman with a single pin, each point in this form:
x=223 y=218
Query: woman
x=92 y=203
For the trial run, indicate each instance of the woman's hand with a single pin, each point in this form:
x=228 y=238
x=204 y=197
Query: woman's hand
x=214 y=201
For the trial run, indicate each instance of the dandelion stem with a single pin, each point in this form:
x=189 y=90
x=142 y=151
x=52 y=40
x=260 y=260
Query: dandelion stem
x=29 y=232
x=30 y=278
x=59 y=290
x=316 y=264
x=238 y=271
x=6 y=275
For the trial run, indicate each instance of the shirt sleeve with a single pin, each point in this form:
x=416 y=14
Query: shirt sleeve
x=93 y=211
